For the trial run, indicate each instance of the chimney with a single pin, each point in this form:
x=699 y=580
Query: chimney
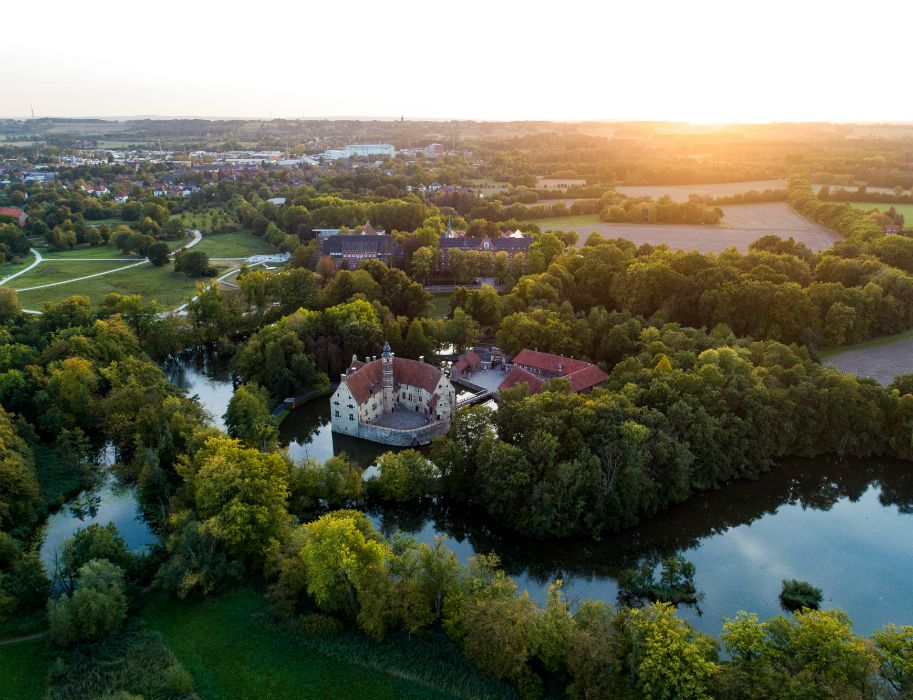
x=421 y=358
x=342 y=379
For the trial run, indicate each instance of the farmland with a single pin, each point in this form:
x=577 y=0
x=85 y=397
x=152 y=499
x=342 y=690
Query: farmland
x=741 y=225
x=882 y=359
x=680 y=193
x=905 y=209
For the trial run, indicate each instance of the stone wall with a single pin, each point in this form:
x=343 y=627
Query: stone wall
x=401 y=438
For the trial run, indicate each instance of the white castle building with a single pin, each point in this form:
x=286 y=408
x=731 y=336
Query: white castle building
x=392 y=400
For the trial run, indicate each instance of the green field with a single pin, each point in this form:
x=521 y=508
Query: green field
x=10 y=268
x=23 y=668
x=905 y=209
x=164 y=285
x=231 y=653
x=440 y=304
x=85 y=251
x=568 y=221
x=110 y=222
x=236 y=244
x=59 y=270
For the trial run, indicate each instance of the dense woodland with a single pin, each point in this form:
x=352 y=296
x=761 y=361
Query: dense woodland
x=713 y=376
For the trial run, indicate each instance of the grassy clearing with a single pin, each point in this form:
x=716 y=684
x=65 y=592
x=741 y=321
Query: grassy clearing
x=236 y=244
x=164 y=285
x=49 y=272
x=440 y=304
x=85 y=251
x=825 y=353
x=110 y=222
x=568 y=221
x=23 y=668
x=13 y=267
x=230 y=653
x=905 y=209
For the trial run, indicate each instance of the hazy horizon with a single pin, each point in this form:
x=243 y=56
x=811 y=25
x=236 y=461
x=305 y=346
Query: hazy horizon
x=708 y=62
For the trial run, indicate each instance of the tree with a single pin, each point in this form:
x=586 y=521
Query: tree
x=406 y=475
x=193 y=263
x=92 y=542
x=96 y=609
x=248 y=417
x=797 y=595
x=241 y=495
x=417 y=344
x=331 y=559
x=10 y=307
x=326 y=268
x=498 y=634
x=461 y=330
x=158 y=254
x=894 y=650
x=422 y=263
x=19 y=490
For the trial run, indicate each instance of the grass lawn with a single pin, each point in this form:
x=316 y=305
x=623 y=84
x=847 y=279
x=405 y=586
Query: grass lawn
x=110 y=222
x=58 y=271
x=905 y=209
x=164 y=285
x=23 y=668
x=440 y=304
x=236 y=244
x=568 y=221
x=824 y=353
x=10 y=268
x=231 y=654
x=85 y=251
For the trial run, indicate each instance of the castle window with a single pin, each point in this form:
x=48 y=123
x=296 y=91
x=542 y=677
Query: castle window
x=337 y=414
x=351 y=417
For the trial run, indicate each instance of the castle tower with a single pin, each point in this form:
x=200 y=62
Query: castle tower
x=387 y=361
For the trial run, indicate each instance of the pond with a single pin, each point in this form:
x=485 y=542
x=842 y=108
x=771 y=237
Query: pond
x=845 y=527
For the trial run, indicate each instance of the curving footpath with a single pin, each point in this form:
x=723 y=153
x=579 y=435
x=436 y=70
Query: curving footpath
x=197 y=237
x=35 y=263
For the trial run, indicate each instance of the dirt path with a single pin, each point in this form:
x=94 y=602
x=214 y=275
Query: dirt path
x=24 y=638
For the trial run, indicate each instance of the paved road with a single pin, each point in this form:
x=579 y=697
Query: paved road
x=34 y=264
x=741 y=225
x=881 y=362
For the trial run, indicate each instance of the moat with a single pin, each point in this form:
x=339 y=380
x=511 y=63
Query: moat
x=845 y=527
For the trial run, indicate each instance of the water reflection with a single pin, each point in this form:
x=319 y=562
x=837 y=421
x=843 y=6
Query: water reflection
x=843 y=527
x=104 y=502
x=206 y=374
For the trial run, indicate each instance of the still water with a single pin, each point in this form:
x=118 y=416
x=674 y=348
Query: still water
x=845 y=527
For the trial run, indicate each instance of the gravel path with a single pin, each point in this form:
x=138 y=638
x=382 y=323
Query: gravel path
x=35 y=263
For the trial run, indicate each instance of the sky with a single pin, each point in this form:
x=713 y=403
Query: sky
x=688 y=60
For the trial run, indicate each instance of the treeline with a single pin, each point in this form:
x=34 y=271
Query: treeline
x=843 y=218
x=682 y=411
x=779 y=290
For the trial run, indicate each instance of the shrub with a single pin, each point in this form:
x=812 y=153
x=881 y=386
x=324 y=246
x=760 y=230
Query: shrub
x=317 y=625
x=96 y=609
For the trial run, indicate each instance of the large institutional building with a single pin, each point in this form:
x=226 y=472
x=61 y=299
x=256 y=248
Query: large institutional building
x=393 y=400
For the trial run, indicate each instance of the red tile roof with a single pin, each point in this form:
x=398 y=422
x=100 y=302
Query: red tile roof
x=518 y=375
x=367 y=380
x=583 y=376
x=546 y=362
x=17 y=214
x=469 y=361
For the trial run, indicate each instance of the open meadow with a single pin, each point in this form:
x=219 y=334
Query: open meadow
x=167 y=287
x=680 y=193
x=235 y=244
x=905 y=209
x=742 y=224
